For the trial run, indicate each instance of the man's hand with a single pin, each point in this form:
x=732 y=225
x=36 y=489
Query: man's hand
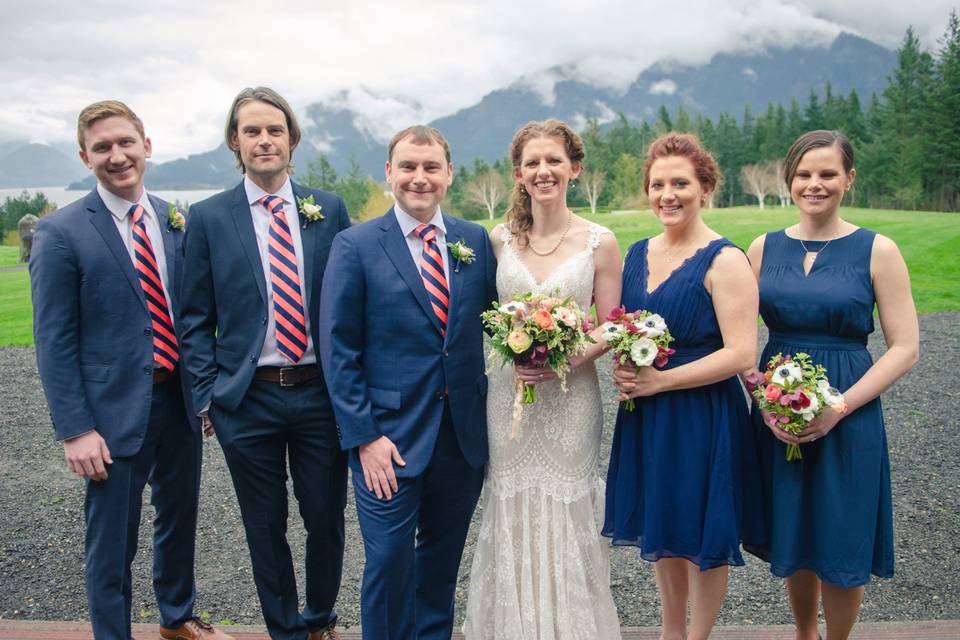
x=87 y=455
x=206 y=424
x=377 y=459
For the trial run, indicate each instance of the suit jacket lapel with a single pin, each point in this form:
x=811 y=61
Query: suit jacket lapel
x=169 y=250
x=240 y=212
x=308 y=238
x=454 y=234
x=395 y=246
x=102 y=219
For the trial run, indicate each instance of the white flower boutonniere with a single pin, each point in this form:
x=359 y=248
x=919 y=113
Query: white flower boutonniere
x=461 y=253
x=309 y=210
x=175 y=219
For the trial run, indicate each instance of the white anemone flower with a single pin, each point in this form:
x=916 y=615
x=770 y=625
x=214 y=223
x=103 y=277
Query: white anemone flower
x=831 y=395
x=787 y=373
x=653 y=325
x=643 y=352
x=611 y=330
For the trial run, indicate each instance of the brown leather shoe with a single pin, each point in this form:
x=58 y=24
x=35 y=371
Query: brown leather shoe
x=324 y=634
x=194 y=629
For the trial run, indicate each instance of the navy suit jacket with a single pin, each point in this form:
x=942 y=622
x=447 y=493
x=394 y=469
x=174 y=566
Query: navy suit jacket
x=91 y=325
x=387 y=364
x=224 y=314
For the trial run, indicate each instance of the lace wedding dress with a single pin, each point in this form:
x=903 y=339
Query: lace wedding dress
x=541 y=570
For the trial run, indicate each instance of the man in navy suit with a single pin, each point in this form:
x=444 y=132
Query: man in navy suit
x=104 y=279
x=402 y=346
x=254 y=261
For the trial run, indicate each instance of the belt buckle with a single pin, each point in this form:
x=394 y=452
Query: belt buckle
x=284 y=383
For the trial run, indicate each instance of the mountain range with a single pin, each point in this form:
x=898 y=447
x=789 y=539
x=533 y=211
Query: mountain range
x=727 y=83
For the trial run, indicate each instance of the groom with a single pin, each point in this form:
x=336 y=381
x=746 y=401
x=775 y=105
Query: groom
x=401 y=344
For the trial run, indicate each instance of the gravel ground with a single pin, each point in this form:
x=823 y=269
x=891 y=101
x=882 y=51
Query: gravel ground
x=41 y=516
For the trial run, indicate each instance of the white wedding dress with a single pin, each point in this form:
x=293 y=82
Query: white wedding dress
x=541 y=570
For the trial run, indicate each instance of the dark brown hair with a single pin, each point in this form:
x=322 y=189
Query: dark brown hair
x=271 y=97
x=816 y=140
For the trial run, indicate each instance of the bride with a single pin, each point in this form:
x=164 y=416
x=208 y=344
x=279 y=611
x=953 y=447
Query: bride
x=541 y=570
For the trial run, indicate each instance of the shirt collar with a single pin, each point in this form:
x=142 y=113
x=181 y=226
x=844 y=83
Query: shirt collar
x=408 y=223
x=255 y=192
x=119 y=207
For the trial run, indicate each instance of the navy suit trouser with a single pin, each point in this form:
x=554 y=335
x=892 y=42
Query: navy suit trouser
x=413 y=545
x=169 y=460
x=271 y=424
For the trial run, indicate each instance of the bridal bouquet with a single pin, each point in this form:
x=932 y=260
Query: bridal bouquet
x=793 y=391
x=536 y=330
x=637 y=337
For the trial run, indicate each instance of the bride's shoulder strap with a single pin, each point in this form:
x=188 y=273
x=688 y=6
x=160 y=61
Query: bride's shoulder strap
x=504 y=231
x=596 y=232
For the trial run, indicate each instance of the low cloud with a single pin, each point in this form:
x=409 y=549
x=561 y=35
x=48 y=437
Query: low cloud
x=180 y=63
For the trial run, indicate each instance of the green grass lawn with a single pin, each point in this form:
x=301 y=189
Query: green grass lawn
x=930 y=243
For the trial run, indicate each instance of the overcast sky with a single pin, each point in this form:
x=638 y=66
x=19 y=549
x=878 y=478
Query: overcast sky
x=178 y=64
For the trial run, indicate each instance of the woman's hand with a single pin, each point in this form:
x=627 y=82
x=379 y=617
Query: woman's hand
x=785 y=437
x=637 y=383
x=820 y=426
x=534 y=375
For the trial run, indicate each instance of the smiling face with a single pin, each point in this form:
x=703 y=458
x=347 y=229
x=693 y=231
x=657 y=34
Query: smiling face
x=675 y=193
x=117 y=155
x=545 y=170
x=263 y=140
x=820 y=181
x=419 y=175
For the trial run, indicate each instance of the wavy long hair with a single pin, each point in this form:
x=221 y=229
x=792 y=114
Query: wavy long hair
x=519 y=216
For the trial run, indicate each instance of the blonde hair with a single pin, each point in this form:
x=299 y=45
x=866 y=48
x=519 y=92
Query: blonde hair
x=105 y=109
x=519 y=216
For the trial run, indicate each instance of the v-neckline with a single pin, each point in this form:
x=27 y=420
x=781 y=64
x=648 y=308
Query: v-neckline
x=533 y=278
x=646 y=266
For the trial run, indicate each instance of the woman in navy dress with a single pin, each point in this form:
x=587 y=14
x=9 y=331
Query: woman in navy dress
x=830 y=514
x=680 y=459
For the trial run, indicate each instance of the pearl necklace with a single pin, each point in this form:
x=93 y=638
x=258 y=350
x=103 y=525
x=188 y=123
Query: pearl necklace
x=559 y=241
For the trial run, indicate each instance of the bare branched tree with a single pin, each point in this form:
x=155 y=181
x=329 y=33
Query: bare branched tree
x=592 y=183
x=756 y=181
x=488 y=189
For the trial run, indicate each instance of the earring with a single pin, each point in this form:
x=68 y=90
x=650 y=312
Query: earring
x=573 y=184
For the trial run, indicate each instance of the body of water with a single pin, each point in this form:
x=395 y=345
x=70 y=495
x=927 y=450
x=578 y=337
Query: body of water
x=62 y=197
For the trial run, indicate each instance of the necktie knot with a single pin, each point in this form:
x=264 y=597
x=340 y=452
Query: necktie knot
x=427 y=232
x=136 y=213
x=273 y=204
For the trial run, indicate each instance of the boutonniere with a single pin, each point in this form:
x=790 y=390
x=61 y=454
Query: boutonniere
x=175 y=219
x=309 y=210
x=461 y=253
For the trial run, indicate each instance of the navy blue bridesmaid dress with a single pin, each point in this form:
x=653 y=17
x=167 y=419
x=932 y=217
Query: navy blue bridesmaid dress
x=831 y=512
x=683 y=477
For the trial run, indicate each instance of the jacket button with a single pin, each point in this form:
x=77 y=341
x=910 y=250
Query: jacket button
x=146 y=331
x=253 y=358
x=148 y=369
x=445 y=354
x=439 y=395
x=263 y=320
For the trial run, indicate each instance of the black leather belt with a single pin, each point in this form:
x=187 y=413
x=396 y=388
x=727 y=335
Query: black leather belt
x=288 y=376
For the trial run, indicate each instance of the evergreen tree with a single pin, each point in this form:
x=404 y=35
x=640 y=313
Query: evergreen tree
x=813 y=117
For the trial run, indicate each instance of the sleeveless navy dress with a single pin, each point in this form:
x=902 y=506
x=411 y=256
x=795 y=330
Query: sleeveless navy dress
x=831 y=512
x=683 y=478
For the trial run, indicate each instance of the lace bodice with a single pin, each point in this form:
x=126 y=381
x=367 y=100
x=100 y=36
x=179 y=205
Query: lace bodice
x=540 y=569
x=560 y=433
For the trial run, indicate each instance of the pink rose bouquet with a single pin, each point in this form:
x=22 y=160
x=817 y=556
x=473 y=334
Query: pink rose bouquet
x=536 y=330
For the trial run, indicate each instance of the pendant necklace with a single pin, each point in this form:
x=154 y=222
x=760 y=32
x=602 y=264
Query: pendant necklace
x=816 y=253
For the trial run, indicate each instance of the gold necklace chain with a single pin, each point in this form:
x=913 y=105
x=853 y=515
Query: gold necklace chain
x=559 y=241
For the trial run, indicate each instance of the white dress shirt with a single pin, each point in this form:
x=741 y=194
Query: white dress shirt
x=120 y=211
x=409 y=224
x=269 y=356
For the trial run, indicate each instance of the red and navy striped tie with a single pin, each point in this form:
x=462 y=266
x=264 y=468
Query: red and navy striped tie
x=285 y=280
x=431 y=270
x=165 y=350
